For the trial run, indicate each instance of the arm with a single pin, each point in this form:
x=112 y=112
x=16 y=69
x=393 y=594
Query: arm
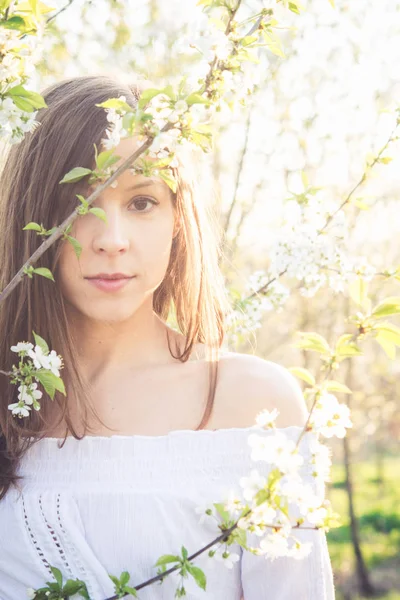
x=264 y=384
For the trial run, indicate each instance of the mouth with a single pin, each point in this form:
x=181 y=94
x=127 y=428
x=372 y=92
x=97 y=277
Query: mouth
x=110 y=283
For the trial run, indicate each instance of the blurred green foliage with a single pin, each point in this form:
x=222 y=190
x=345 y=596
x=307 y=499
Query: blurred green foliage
x=377 y=505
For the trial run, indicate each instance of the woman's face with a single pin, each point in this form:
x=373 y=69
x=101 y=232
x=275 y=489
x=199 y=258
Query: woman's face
x=135 y=242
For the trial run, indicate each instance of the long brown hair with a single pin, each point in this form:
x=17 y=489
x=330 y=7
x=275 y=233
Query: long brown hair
x=30 y=191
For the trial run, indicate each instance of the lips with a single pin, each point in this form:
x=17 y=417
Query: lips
x=110 y=283
x=110 y=276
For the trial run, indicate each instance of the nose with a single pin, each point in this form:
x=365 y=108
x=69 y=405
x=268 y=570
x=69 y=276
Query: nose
x=110 y=237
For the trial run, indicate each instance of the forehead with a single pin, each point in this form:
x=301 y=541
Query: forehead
x=129 y=180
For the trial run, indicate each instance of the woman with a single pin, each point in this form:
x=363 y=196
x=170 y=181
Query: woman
x=155 y=420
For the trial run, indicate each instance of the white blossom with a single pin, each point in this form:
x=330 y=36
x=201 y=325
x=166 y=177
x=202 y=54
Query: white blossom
x=181 y=107
x=29 y=393
x=276 y=449
x=320 y=459
x=300 y=550
x=267 y=418
x=252 y=484
x=116 y=131
x=226 y=557
x=212 y=43
x=22 y=347
x=14 y=123
x=20 y=410
x=275 y=544
x=233 y=504
x=329 y=417
x=261 y=516
x=41 y=360
x=204 y=516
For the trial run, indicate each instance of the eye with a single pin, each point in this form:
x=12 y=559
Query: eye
x=141 y=202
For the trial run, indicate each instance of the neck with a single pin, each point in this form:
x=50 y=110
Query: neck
x=136 y=343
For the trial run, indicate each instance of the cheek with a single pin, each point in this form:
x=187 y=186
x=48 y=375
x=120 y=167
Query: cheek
x=68 y=270
x=155 y=250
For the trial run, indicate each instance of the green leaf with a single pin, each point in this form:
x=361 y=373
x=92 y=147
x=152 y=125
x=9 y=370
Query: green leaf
x=131 y=591
x=50 y=382
x=26 y=99
x=273 y=43
x=360 y=204
x=75 y=174
x=296 y=7
x=336 y=386
x=314 y=342
x=358 y=290
x=346 y=348
x=53 y=586
x=82 y=200
x=99 y=212
x=57 y=574
x=167 y=558
x=388 y=332
x=147 y=95
x=304 y=179
x=39 y=341
x=32 y=225
x=221 y=510
x=125 y=577
x=196 y=98
x=390 y=306
x=198 y=575
x=388 y=347
x=44 y=273
x=114 y=579
x=15 y=22
x=169 y=91
x=115 y=103
x=51 y=231
x=47 y=382
x=106 y=159
x=303 y=374
x=96 y=153
x=74 y=587
x=4 y=4
x=75 y=244
x=248 y=39
x=169 y=180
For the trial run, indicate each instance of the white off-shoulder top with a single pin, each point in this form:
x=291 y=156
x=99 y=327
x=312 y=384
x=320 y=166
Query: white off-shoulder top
x=104 y=505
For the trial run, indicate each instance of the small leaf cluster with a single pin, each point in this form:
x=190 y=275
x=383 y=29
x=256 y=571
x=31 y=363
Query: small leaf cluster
x=121 y=587
x=59 y=591
x=186 y=568
x=26 y=371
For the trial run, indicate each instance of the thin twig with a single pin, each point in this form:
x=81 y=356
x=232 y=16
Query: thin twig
x=239 y=172
x=221 y=538
x=49 y=19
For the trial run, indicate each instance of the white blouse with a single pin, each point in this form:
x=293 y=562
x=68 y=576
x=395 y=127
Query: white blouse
x=104 y=505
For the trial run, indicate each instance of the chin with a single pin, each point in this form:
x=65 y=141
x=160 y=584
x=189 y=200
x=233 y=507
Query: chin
x=108 y=314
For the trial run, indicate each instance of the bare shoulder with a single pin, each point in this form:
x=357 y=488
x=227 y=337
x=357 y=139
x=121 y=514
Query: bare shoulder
x=248 y=384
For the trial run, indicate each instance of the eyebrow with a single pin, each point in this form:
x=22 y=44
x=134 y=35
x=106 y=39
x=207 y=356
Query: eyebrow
x=144 y=184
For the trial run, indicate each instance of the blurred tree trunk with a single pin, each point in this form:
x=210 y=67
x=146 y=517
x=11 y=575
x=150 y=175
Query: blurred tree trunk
x=363 y=578
x=379 y=465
